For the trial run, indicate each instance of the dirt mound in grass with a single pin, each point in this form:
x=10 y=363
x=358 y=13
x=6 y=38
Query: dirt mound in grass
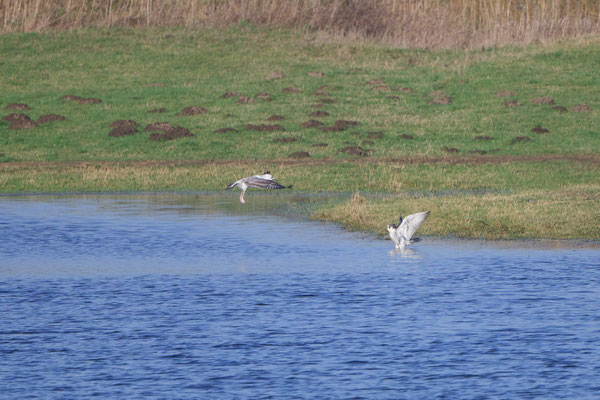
x=172 y=134
x=407 y=137
x=81 y=100
x=339 y=125
x=505 y=93
x=542 y=100
x=452 y=150
x=193 y=110
x=480 y=137
x=291 y=89
x=49 y=118
x=19 y=121
x=512 y=103
x=17 y=106
x=264 y=96
x=285 y=140
x=228 y=94
x=581 y=108
x=274 y=75
x=275 y=117
x=318 y=114
x=521 y=139
x=299 y=154
x=355 y=151
x=264 y=127
x=311 y=123
x=320 y=145
x=123 y=127
x=406 y=90
x=540 y=130
x=375 y=135
x=158 y=126
x=439 y=97
x=316 y=74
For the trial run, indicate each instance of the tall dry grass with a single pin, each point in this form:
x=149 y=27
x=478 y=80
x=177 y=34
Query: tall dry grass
x=403 y=23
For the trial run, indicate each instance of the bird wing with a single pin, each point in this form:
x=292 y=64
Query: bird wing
x=234 y=184
x=260 y=183
x=411 y=223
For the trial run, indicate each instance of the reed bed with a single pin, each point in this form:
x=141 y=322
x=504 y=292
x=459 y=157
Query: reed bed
x=400 y=23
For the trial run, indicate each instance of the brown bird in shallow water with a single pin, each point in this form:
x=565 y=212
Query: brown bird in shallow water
x=264 y=181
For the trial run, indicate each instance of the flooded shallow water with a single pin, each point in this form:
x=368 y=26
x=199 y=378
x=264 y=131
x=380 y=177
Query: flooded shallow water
x=196 y=296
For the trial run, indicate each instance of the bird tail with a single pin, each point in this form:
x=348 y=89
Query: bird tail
x=414 y=240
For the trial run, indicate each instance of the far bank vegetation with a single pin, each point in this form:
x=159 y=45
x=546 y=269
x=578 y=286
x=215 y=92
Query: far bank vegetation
x=430 y=24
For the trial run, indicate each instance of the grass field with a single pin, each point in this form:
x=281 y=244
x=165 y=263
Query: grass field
x=498 y=143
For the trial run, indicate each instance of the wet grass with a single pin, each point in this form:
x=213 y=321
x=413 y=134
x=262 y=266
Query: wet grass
x=460 y=158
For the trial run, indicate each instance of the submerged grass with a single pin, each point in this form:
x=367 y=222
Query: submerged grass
x=435 y=130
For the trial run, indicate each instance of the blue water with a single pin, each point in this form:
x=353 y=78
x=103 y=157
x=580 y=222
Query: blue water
x=199 y=297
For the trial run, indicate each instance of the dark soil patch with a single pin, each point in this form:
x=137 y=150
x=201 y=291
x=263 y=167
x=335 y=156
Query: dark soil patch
x=158 y=110
x=581 y=108
x=17 y=106
x=379 y=81
x=367 y=142
x=264 y=127
x=299 y=154
x=316 y=74
x=561 y=109
x=452 y=150
x=355 y=151
x=311 y=123
x=483 y=138
x=19 y=121
x=291 y=89
x=124 y=123
x=229 y=94
x=339 y=125
x=225 y=130
x=158 y=126
x=321 y=92
x=539 y=129
x=245 y=100
x=375 y=135
x=274 y=75
x=275 y=117
x=264 y=96
x=172 y=134
x=542 y=100
x=320 y=145
x=319 y=114
x=505 y=93
x=49 y=118
x=512 y=103
x=285 y=140
x=404 y=90
x=193 y=110
x=80 y=100
x=439 y=97
x=381 y=88
x=122 y=130
x=407 y=137
x=519 y=139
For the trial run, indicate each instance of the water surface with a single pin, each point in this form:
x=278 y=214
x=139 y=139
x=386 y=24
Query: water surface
x=196 y=296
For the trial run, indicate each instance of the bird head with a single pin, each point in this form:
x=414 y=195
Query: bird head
x=391 y=227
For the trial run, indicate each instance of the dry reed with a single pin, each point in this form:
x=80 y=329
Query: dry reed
x=402 y=23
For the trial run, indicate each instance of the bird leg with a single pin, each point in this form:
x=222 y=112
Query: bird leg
x=242 y=197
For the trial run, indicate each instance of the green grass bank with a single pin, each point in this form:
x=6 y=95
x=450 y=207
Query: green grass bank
x=498 y=143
